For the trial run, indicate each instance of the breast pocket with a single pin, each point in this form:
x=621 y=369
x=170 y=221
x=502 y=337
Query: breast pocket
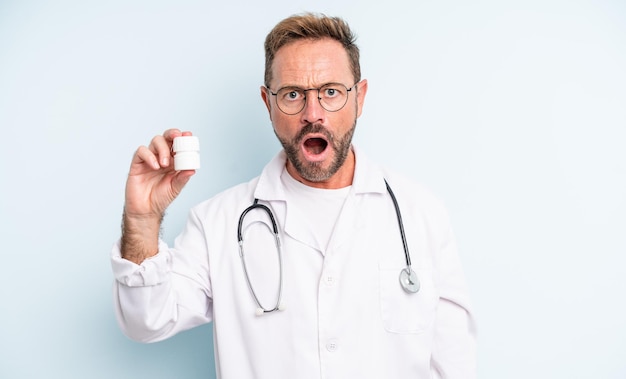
x=404 y=312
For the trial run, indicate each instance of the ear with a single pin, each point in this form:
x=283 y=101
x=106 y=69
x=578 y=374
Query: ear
x=360 y=96
x=266 y=99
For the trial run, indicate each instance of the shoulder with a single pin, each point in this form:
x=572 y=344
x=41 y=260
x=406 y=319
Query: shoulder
x=407 y=186
x=416 y=197
x=410 y=193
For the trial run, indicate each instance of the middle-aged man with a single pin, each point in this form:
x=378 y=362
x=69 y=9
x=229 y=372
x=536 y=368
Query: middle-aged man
x=361 y=280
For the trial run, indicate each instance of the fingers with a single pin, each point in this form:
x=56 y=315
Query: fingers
x=144 y=154
x=170 y=134
x=162 y=149
x=158 y=154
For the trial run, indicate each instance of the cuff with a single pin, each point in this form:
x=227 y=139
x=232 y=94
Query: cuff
x=150 y=272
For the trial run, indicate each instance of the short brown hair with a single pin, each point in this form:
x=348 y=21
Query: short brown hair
x=314 y=27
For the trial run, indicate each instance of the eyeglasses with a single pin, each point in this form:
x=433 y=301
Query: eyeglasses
x=332 y=97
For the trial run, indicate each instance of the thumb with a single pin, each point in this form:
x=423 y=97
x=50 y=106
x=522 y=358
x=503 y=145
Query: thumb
x=180 y=180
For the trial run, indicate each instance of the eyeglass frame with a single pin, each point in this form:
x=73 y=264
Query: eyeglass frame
x=319 y=99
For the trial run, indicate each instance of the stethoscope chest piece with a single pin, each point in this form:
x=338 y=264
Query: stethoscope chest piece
x=409 y=280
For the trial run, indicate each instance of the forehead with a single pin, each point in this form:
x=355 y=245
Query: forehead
x=310 y=63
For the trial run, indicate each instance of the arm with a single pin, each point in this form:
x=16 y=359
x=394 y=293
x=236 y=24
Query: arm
x=167 y=293
x=153 y=295
x=454 y=345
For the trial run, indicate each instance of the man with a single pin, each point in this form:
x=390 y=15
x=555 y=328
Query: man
x=324 y=298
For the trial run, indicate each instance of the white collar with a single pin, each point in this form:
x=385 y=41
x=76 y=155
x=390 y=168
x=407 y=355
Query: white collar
x=368 y=177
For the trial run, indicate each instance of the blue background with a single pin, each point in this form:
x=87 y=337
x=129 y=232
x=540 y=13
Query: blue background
x=513 y=111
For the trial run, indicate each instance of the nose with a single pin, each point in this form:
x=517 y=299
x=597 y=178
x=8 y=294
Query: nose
x=313 y=111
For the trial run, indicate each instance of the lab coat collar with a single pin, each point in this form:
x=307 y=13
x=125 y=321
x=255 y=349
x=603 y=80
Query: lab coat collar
x=368 y=177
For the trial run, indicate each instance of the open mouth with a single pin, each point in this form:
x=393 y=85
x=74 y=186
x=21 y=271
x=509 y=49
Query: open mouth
x=315 y=146
x=315 y=143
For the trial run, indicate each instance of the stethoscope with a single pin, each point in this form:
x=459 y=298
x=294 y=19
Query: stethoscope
x=408 y=278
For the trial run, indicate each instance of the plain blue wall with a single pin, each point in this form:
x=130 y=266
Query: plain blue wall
x=513 y=111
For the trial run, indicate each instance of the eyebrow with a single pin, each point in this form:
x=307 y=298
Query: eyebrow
x=305 y=88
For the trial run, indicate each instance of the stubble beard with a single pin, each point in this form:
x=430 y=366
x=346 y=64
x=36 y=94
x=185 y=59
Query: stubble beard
x=314 y=171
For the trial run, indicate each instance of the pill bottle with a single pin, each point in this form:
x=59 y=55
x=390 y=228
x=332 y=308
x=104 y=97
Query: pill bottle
x=186 y=153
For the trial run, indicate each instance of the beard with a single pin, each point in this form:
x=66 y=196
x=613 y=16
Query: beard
x=315 y=171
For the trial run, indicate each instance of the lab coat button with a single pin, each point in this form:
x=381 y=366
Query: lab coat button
x=332 y=345
x=330 y=280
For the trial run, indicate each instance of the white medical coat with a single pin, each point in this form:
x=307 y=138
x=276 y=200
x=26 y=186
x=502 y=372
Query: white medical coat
x=346 y=314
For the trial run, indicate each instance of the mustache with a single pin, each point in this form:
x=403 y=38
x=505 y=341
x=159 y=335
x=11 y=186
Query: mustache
x=313 y=128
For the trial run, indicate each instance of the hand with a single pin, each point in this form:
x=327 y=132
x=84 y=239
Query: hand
x=151 y=187
x=152 y=182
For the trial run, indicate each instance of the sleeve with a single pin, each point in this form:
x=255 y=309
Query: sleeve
x=454 y=344
x=167 y=293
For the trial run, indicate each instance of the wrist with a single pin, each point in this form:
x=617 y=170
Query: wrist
x=140 y=236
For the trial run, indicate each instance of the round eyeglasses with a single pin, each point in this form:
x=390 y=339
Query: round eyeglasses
x=332 y=97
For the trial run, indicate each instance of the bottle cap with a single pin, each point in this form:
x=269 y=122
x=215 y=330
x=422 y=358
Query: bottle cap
x=186 y=143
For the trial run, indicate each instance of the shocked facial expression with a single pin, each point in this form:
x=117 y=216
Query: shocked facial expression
x=317 y=141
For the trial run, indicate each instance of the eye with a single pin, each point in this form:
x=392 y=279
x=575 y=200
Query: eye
x=330 y=92
x=291 y=94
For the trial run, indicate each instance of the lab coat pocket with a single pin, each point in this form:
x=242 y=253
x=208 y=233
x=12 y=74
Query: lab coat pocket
x=407 y=313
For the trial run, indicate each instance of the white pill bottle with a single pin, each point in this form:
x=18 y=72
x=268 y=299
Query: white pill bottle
x=186 y=153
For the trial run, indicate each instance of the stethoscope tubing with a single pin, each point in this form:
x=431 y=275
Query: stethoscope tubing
x=261 y=309
x=401 y=226
x=408 y=278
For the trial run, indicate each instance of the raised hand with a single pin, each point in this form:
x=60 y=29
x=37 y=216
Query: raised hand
x=151 y=187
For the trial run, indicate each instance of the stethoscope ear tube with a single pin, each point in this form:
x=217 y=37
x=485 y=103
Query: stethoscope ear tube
x=400 y=225
x=408 y=278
